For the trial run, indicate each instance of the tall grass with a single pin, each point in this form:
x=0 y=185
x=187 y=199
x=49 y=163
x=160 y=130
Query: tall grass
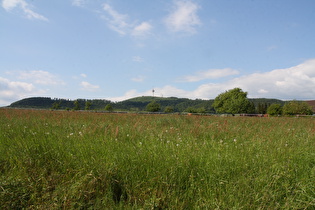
x=59 y=159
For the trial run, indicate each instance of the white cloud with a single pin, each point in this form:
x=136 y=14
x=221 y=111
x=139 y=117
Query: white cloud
x=14 y=90
x=142 y=30
x=122 y=24
x=138 y=78
x=83 y=75
x=137 y=59
x=209 y=74
x=89 y=87
x=129 y=94
x=115 y=20
x=183 y=17
x=9 y=5
x=297 y=82
x=39 y=77
x=15 y=85
x=25 y=84
x=78 y=3
x=262 y=91
x=272 y=47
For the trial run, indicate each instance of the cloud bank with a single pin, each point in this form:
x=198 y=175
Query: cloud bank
x=26 y=84
x=297 y=82
x=14 y=90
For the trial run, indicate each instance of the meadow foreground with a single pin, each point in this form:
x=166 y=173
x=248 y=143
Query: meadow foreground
x=60 y=159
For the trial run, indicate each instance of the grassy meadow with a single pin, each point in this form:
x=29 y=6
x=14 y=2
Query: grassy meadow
x=82 y=160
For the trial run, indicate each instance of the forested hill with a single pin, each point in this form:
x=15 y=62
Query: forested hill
x=133 y=104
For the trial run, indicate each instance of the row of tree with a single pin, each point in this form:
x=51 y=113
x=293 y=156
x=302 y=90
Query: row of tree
x=290 y=108
x=235 y=101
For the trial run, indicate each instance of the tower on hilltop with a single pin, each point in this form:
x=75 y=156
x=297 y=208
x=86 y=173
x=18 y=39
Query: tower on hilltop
x=153 y=92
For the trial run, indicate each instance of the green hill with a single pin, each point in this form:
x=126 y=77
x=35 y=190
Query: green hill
x=56 y=103
x=134 y=104
x=177 y=104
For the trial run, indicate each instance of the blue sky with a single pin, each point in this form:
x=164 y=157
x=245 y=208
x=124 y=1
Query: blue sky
x=118 y=49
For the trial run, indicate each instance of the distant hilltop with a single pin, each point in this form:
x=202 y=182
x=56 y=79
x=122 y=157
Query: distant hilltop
x=137 y=104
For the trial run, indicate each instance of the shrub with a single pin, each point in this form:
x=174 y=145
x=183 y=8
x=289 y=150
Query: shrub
x=274 y=109
x=108 y=107
x=169 y=109
x=297 y=107
x=153 y=107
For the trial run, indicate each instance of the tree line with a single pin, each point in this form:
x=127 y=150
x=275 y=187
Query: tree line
x=233 y=101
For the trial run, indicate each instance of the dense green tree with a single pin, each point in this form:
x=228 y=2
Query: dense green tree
x=56 y=105
x=153 y=107
x=88 y=105
x=297 y=107
x=191 y=110
x=232 y=101
x=274 y=109
x=251 y=108
x=169 y=109
x=201 y=110
x=76 y=105
x=262 y=108
x=109 y=107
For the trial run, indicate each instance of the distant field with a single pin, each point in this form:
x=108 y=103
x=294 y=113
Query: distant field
x=80 y=160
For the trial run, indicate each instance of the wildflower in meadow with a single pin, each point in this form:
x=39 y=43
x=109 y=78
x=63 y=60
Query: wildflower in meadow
x=71 y=134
